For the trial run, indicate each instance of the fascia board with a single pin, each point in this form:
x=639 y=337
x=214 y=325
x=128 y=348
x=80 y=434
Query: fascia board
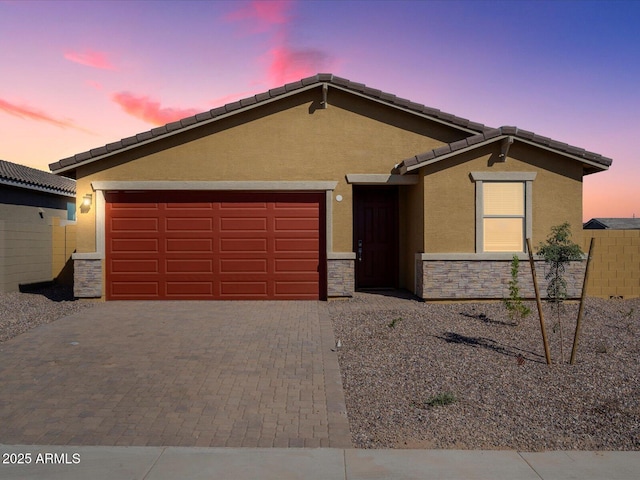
x=453 y=154
x=499 y=138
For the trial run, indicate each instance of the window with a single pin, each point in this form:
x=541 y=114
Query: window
x=71 y=211
x=503 y=210
x=503 y=216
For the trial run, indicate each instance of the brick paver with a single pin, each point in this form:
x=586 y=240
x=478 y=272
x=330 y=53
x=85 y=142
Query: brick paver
x=234 y=374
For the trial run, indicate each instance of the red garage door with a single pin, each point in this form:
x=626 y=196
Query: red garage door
x=214 y=245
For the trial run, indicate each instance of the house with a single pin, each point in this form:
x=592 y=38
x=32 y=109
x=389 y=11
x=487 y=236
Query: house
x=33 y=204
x=612 y=224
x=316 y=189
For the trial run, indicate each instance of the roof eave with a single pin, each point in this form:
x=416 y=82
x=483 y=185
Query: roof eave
x=37 y=188
x=589 y=166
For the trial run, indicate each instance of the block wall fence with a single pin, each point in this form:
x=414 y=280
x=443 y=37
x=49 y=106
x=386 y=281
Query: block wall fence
x=615 y=266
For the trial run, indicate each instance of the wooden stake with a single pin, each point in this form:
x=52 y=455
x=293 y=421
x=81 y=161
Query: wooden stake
x=581 y=309
x=547 y=353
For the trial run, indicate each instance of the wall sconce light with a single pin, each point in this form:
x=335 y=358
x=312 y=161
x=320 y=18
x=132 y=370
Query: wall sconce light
x=85 y=206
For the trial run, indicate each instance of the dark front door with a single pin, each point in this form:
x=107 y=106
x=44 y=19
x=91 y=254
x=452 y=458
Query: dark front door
x=375 y=229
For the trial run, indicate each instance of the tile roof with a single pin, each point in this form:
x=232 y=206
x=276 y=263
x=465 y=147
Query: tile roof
x=613 y=224
x=309 y=82
x=494 y=134
x=33 y=179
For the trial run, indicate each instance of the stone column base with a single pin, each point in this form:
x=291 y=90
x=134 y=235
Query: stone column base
x=87 y=277
x=340 y=275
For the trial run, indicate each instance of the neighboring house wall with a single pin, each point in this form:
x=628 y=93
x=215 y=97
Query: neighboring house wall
x=26 y=245
x=615 y=265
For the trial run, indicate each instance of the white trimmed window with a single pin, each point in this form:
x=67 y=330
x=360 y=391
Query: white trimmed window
x=503 y=216
x=503 y=211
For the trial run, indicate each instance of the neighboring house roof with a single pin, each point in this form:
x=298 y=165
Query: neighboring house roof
x=32 y=179
x=479 y=134
x=612 y=224
x=221 y=112
x=593 y=162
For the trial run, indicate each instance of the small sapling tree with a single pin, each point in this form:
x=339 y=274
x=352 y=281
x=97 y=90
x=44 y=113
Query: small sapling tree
x=517 y=310
x=558 y=251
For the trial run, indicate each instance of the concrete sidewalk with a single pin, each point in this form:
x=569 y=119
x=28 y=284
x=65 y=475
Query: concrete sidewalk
x=158 y=463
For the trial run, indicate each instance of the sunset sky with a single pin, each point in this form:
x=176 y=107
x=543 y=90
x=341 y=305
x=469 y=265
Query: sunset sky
x=76 y=75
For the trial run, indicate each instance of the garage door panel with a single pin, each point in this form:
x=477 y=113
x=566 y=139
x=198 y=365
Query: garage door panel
x=134 y=224
x=296 y=245
x=295 y=265
x=135 y=245
x=132 y=289
x=243 y=289
x=295 y=288
x=189 y=245
x=189 y=289
x=243 y=245
x=253 y=224
x=214 y=245
x=297 y=224
x=189 y=266
x=249 y=206
x=243 y=265
x=189 y=224
x=135 y=266
x=188 y=208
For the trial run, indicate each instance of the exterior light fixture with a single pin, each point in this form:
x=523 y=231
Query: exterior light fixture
x=86 y=200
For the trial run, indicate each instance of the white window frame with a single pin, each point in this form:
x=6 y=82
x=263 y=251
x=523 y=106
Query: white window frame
x=525 y=177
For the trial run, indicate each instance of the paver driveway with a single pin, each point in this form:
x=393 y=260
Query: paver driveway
x=176 y=373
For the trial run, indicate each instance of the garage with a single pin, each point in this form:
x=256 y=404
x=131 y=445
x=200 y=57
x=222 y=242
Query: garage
x=204 y=245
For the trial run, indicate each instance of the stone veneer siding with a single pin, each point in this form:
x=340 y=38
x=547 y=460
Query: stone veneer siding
x=87 y=278
x=488 y=279
x=340 y=278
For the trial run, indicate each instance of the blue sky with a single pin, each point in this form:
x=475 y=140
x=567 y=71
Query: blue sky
x=78 y=75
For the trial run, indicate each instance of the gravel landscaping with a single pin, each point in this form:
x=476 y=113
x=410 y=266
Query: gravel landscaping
x=460 y=375
x=465 y=376
x=20 y=312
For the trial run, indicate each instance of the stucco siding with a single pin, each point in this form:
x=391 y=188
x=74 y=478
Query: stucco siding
x=285 y=141
x=450 y=209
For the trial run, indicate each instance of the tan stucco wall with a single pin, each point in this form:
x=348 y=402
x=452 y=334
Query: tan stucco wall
x=63 y=237
x=449 y=214
x=291 y=139
x=615 y=263
x=411 y=230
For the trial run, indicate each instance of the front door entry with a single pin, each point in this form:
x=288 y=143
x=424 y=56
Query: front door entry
x=375 y=236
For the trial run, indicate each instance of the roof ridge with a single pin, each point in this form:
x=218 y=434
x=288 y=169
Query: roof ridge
x=228 y=108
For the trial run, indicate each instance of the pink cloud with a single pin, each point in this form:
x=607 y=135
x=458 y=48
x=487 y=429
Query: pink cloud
x=149 y=110
x=95 y=85
x=30 y=113
x=262 y=14
x=90 y=58
x=293 y=64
